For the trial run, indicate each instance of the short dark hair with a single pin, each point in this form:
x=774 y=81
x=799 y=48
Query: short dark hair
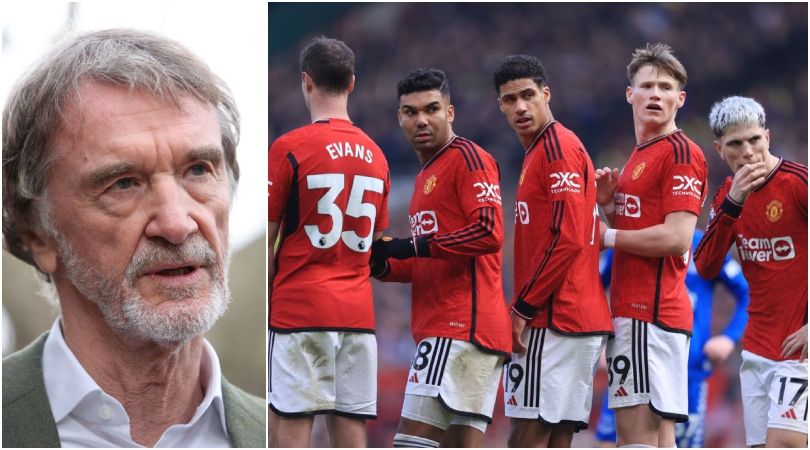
x=330 y=63
x=515 y=67
x=424 y=80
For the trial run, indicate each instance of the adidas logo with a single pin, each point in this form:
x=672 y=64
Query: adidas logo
x=790 y=414
x=620 y=392
x=512 y=401
x=413 y=379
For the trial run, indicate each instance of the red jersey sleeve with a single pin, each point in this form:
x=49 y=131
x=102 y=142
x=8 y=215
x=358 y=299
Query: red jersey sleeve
x=685 y=183
x=711 y=252
x=279 y=180
x=399 y=271
x=479 y=193
x=565 y=181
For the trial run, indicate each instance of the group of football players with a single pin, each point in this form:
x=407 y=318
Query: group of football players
x=328 y=209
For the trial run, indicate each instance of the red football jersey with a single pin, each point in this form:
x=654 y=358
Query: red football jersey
x=664 y=175
x=457 y=291
x=770 y=232
x=556 y=241
x=329 y=183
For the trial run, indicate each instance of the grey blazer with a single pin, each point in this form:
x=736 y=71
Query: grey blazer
x=28 y=420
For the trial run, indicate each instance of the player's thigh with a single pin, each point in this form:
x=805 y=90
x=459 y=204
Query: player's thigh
x=690 y=434
x=288 y=432
x=346 y=431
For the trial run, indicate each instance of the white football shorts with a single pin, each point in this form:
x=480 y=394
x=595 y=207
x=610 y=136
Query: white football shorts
x=774 y=395
x=458 y=375
x=648 y=365
x=322 y=372
x=553 y=380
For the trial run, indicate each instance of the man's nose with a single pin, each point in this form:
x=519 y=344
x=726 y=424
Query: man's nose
x=170 y=212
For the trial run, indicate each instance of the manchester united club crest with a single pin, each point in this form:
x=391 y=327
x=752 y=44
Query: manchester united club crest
x=430 y=184
x=774 y=210
x=638 y=170
x=522 y=174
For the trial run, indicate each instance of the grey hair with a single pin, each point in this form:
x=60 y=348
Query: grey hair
x=35 y=109
x=735 y=111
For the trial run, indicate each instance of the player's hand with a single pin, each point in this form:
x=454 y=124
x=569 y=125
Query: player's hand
x=607 y=180
x=718 y=348
x=747 y=178
x=796 y=342
x=518 y=324
x=378 y=261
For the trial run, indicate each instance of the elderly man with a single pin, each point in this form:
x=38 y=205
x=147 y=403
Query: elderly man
x=118 y=171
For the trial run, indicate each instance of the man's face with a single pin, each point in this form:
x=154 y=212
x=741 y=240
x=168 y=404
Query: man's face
x=525 y=105
x=425 y=117
x=655 y=96
x=139 y=199
x=743 y=145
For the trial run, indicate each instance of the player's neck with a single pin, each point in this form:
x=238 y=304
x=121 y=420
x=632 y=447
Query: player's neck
x=426 y=155
x=770 y=162
x=647 y=132
x=328 y=107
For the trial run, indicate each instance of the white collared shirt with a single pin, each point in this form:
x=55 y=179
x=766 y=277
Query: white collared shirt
x=87 y=417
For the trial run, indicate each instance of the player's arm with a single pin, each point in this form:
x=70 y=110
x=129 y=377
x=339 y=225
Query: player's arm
x=671 y=238
x=710 y=254
x=719 y=348
x=272 y=236
x=570 y=216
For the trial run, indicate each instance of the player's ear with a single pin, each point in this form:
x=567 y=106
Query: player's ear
x=451 y=113
x=351 y=86
x=628 y=92
x=768 y=136
x=681 y=98
x=717 y=146
x=547 y=93
x=306 y=82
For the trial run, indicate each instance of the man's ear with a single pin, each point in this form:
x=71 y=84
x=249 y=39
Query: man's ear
x=44 y=250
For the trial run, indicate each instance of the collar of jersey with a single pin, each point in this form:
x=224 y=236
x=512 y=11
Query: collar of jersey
x=652 y=141
x=540 y=133
x=439 y=152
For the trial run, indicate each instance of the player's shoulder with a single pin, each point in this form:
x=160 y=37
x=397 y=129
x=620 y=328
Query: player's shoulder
x=472 y=155
x=794 y=171
x=290 y=138
x=722 y=191
x=682 y=149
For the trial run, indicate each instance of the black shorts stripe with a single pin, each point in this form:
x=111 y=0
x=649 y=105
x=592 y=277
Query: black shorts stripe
x=270 y=361
x=433 y=354
x=528 y=376
x=445 y=357
x=634 y=354
x=539 y=367
x=646 y=360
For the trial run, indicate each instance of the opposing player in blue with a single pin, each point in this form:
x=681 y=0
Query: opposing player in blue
x=705 y=350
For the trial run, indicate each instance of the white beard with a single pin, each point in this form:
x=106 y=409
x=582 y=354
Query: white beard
x=124 y=309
